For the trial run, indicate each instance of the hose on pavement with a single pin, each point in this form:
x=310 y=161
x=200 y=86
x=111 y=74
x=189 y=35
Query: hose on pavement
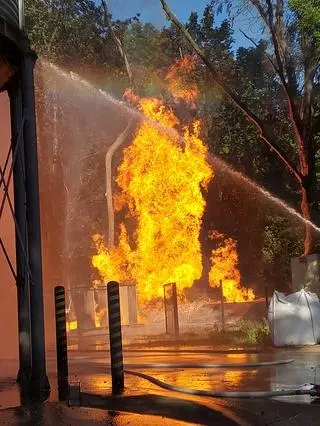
x=309 y=389
x=225 y=394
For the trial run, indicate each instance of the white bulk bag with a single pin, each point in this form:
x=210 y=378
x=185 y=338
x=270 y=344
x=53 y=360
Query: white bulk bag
x=294 y=319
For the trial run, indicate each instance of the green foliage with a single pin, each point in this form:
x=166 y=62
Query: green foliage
x=308 y=14
x=245 y=332
x=282 y=241
x=254 y=332
x=65 y=31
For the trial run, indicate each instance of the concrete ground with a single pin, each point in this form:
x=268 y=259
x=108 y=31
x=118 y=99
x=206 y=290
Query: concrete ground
x=143 y=403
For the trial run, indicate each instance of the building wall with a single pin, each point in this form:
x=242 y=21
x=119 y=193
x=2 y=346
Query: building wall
x=8 y=302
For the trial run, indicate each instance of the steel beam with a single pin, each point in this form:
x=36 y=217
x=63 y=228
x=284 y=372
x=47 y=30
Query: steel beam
x=39 y=380
x=22 y=280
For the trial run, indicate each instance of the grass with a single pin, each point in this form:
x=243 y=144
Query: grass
x=244 y=333
x=254 y=332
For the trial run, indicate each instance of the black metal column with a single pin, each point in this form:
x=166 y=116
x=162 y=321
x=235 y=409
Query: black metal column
x=115 y=336
x=39 y=380
x=61 y=342
x=22 y=283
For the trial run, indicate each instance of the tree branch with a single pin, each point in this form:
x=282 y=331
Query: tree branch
x=281 y=54
x=251 y=116
x=117 y=41
x=274 y=66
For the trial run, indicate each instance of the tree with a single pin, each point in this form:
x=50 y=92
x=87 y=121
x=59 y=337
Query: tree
x=308 y=14
x=285 y=38
x=281 y=242
x=65 y=31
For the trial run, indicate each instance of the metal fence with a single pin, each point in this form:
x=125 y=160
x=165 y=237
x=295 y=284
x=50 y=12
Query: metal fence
x=87 y=307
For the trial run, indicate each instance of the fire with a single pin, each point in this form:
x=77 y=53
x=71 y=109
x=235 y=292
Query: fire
x=160 y=188
x=179 y=83
x=113 y=262
x=224 y=268
x=161 y=185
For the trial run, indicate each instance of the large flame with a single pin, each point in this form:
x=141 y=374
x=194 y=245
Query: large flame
x=160 y=183
x=224 y=269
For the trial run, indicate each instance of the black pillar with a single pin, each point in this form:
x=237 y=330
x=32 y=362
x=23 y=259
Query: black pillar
x=39 y=380
x=21 y=234
x=115 y=336
x=61 y=342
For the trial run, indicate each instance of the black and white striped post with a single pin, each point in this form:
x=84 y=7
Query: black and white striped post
x=115 y=336
x=61 y=343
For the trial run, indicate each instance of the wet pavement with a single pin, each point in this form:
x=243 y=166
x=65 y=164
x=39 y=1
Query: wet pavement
x=160 y=406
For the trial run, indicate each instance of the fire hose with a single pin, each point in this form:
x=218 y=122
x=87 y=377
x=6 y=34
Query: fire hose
x=307 y=389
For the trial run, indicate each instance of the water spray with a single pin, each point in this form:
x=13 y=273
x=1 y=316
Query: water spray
x=310 y=389
x=134 y=113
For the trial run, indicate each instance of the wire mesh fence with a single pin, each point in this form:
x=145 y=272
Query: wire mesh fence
x=87 y=306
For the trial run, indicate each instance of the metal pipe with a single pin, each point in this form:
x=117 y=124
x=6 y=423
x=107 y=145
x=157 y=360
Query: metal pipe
x=21 y=14
x=175 y=309
x=266 y=295
x=115 y=338
x=39 y=380
x=171 y=309
x=22 y=280
x=223 y=322
x=61 y=343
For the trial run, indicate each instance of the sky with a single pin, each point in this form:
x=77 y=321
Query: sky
x=151 y=11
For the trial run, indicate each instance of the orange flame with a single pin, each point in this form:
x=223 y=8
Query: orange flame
x=160 y=182
x=179 y=83
x=224 y=268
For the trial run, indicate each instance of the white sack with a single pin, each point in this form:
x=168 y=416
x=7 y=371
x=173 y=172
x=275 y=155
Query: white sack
x=294 y=319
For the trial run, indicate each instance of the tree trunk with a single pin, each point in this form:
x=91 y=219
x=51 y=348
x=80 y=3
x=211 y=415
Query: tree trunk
x=310 y=234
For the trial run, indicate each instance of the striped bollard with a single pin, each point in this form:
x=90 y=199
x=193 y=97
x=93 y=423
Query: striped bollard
x=115 y=338
x=61 y=343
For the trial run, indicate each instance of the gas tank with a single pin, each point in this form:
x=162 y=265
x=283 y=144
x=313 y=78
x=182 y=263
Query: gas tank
x=9 y=12
x=13 y=41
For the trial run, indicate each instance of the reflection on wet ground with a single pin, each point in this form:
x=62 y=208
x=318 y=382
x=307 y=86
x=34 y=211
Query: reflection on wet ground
x=205 y=379
x=91 y=370
x=55 y=414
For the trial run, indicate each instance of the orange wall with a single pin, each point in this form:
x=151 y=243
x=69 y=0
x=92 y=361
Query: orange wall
x=8 y=303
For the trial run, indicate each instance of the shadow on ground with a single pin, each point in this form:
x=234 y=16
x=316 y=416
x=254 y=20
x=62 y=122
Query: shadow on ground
x=155 y=405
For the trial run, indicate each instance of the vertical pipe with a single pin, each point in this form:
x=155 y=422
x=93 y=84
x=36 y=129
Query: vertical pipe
x=175 y=309
x=61 y=342
x=266 y=296
x=222 y=306
x=21 y=14
x=115 y=336
x=39 y=380
x=165 y=308
x=22 y=283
